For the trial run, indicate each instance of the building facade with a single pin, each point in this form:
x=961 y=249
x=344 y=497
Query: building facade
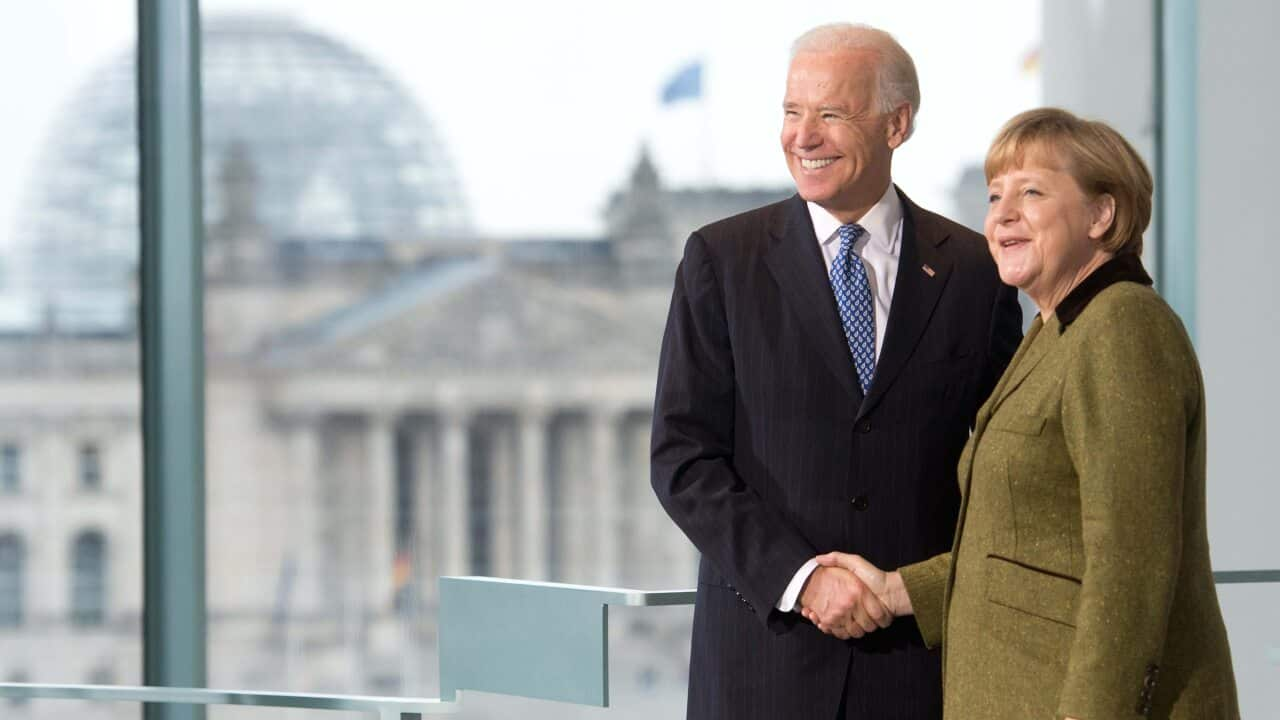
x=390 y=396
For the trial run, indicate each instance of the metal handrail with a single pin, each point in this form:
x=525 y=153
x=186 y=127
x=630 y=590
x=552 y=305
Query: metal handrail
x=384 y=708
x=468 y=658
x=563 y=656
x=1232 y=577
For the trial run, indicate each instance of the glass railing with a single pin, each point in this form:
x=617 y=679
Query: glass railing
x=1249 y=600
x=510 y=637
x=549 y=641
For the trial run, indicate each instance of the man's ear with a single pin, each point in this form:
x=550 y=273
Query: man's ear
x=898 y=126
x=1102 y=215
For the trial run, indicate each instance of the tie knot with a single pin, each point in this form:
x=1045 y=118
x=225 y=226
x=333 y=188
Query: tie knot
x=848 y=234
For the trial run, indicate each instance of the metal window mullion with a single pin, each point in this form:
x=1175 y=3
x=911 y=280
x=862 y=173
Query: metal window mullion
x=171 y=330
x=1177 y=172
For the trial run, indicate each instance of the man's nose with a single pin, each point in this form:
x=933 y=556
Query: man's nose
x=807 y=133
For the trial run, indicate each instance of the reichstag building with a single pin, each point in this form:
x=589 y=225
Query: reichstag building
x=391 y=396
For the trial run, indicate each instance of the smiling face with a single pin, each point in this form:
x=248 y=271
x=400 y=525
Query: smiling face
x=1043 y=230
x=838 y=144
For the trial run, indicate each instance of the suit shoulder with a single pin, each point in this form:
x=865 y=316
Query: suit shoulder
x=1132 y=306
x=745 y=225
x=1127 y=301
x=968 y=249
x=965 y=240
x=1131 y=320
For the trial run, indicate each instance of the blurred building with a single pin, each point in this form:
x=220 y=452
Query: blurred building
x=390 y=396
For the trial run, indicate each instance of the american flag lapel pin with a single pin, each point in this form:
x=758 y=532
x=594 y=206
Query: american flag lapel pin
x=928 y=270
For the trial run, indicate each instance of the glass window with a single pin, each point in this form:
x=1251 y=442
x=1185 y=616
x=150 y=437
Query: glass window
x=18 y=676
x=90 y=474
x=435 y=295
x=434 y=299
x=89 y=579
x=1228 y=172
x=10 y=468
x=69 y=346
x=101 y=675
x=13 y=559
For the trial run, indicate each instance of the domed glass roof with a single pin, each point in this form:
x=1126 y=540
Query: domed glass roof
x=337 y=151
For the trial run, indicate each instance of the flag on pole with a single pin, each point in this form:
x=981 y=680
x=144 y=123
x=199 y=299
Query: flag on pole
x=686 y=84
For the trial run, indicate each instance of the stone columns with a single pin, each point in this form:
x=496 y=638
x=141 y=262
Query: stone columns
x=424 y=539
x=534 y=507
x=602 y=433
x=502 y=499
x=380 y=455
x=305 y=510
x=455 y=496
x=573 y=542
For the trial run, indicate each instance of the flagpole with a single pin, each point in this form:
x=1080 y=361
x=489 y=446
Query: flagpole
x=706 y=154
x=686 y=85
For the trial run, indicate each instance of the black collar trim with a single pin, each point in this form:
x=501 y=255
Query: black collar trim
x=1121 y=268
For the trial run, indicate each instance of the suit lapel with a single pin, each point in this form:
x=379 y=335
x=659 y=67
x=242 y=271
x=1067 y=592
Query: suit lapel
x=1034 y=348
x=795 y=260
x=915 y=295
x=965 y=469
x=984 y=412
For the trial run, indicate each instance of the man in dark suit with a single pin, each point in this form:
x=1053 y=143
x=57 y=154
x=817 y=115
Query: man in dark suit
x=823 y=360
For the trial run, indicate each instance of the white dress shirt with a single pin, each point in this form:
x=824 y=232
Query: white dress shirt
x=879 y=249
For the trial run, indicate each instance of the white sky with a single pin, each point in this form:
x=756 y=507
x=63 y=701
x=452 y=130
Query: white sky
x=544 y=105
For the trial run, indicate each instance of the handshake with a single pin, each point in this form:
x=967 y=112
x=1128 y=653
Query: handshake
x=848 y=597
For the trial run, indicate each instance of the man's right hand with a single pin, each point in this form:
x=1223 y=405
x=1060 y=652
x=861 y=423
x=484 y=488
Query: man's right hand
x=887 y=586
x=840 y=604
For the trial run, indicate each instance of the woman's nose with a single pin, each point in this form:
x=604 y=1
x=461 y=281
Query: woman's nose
x=1003 y=210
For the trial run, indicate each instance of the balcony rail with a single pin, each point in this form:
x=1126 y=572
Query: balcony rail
x=383 y=708
x=560 y=651
x=1235 y=577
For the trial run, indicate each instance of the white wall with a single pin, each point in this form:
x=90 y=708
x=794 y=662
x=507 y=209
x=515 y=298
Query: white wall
x=1238 y=257
x=1098 y=61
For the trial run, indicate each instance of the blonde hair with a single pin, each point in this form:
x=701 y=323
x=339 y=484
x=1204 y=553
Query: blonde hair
x=896 y=81
x=1100 y=160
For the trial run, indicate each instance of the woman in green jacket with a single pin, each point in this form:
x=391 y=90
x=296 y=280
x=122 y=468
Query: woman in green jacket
x=1078 y=586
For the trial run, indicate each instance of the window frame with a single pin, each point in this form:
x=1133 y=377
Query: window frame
x=13 y=607
x=93 y=580
x=11 y=467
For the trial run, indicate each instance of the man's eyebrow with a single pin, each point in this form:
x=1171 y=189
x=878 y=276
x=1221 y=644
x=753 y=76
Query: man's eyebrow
x=786 y=104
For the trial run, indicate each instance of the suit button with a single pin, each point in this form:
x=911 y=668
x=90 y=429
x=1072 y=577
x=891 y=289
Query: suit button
x=864 y=426
x=861 y=503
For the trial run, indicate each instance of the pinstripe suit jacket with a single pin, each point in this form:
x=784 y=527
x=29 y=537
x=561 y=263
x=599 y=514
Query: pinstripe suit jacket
x=765 y=451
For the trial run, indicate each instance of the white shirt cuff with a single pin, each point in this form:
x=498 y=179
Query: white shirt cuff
x=791 y=596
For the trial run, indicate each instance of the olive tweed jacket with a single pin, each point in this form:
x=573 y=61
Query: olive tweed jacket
x=1079 y=582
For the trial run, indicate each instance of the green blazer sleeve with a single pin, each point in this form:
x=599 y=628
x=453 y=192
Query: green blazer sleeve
x=1127 y=397
x=926 y=584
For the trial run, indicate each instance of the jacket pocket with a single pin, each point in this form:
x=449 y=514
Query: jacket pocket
x=1017 y=423
x=1032 y=591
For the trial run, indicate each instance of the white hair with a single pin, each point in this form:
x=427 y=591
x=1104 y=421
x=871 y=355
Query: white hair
x=896 y=81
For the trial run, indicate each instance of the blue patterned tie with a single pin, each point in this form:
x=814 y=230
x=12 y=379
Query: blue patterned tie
x=853 y=296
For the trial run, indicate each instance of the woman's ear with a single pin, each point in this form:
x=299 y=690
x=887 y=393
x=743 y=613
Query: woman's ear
x=1102 y=211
